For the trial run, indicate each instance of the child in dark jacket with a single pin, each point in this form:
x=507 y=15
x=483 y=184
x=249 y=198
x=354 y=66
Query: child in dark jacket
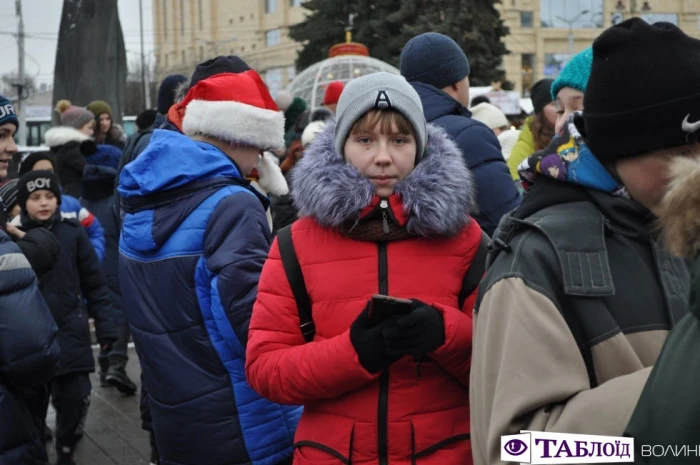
x=75 y=279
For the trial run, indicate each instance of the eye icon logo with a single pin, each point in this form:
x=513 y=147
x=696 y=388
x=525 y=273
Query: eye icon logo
x=515 y=447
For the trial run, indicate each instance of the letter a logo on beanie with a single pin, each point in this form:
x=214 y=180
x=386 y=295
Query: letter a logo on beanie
x=382 y=100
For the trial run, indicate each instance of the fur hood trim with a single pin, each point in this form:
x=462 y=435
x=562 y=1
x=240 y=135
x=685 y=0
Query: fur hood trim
x=680 y=208
x=438 y=195
x=61 y=135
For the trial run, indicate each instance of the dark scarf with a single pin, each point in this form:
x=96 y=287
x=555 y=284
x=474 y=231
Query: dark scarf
x=380 y=225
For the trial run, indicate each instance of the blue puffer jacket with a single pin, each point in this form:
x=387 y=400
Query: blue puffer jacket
x=28 y=355
x=496 y=193
x=193 y=244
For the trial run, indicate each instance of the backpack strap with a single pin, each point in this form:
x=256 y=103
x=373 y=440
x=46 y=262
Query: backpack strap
x=476 y=270
x=292 y=269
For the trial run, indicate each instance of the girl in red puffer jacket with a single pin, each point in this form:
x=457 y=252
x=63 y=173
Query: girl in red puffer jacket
x=384 y=202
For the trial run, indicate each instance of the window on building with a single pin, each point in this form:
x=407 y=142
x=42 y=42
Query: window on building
x=273 y=79
x=201 y=53
x=295 y=2
x=291 y=72
x=201 y=16
x=167 y=65
x=526 y=19
x=165 y=19
x=182 y=17
x=270 y=6
x=527 y=71
x=577 y=13
x=652 y=18
x=184 y=59
x=273 y=37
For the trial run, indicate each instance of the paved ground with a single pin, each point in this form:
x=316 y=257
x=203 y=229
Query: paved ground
x=113 y=434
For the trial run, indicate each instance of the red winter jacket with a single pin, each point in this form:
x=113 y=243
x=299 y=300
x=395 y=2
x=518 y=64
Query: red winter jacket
x=350 y=415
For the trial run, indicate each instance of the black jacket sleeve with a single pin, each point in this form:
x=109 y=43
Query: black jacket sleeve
x=28 y=348
x=95 y=290
x=41 y=247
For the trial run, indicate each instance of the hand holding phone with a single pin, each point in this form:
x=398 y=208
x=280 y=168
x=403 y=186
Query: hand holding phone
x=383 y=306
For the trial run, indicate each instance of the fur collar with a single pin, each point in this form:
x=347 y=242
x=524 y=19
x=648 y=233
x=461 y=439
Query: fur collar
x=437 y=196
x=61 y=135
x=680 y=208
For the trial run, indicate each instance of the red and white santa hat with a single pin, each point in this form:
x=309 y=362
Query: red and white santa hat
x=235 y=107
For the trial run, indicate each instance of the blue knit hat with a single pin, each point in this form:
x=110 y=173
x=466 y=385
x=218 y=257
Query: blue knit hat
x=575 y=74
x=7 y=112
x=434 y=59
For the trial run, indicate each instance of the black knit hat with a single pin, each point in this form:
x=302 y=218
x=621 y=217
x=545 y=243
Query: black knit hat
x=35 y=181
x=218 y=65
x=541 y=95
x=28 y=163
x=145 y=119
x=643 y=92
x=8 y=194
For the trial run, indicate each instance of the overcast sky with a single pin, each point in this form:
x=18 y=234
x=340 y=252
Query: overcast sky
x=42 y=18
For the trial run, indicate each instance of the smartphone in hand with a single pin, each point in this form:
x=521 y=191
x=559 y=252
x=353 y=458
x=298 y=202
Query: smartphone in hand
x=384 y=306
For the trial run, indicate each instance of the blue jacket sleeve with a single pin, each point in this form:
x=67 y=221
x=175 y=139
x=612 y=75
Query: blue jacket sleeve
x=29 y=351
x=236 y=244
x=72 y=209
x=496 y=194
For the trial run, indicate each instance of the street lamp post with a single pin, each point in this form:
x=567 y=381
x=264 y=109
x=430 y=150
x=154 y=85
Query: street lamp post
x=571 y=23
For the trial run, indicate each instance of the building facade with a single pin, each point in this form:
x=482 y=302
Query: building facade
x=187 y=32
x=543 y=33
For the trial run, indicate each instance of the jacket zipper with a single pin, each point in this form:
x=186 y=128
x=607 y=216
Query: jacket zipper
x=383 y=406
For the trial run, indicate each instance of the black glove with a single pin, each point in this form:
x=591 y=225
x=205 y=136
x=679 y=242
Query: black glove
x=369 y=343
x=417 y=333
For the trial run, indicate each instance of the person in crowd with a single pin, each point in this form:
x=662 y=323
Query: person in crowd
x=189 y=314
x=8 y=127
x=332 y=95
x=538 y=129
x=269 y=180
x=40 y=246
x=284 y=212
x=106 y=131
x=439 y=71
x=480 y=99
x=377 y=189
x=98 y=196
x=146 y=119
x=291 y=117
x=29 y=355
x=581 y=295
x=78 y=125
x=491 y=116
x=75 y=280
x=70 y=206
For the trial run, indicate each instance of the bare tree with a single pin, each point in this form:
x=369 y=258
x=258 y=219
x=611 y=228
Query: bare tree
x=10 y=83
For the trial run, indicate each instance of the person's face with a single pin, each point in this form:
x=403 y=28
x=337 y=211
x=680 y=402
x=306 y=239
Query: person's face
x=105 y=122
x=463 y=92
x=89 y=128
x=646 y=178
x=550 y=113
x=497 y=131
x=383 y=158
x=554 y=172
x=246 y=158
x=14 y=212
x=7 y=147
x=41 y=205
x=43 y=165
x=569 y=100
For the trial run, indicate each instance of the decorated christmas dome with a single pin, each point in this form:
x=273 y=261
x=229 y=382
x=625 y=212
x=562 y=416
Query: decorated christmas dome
x=311 y=83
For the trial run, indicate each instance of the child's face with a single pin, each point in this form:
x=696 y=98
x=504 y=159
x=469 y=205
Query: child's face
x=383 y=158
x=41 y=205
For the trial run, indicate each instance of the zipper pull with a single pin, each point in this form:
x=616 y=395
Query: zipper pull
x=385 y=222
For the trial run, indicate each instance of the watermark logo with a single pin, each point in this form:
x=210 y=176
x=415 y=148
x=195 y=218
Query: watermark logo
x=538 y=447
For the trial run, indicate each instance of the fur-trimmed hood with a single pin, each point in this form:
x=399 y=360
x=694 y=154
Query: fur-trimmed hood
x=437 y=197
x=680 y=208
x=61 y=135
